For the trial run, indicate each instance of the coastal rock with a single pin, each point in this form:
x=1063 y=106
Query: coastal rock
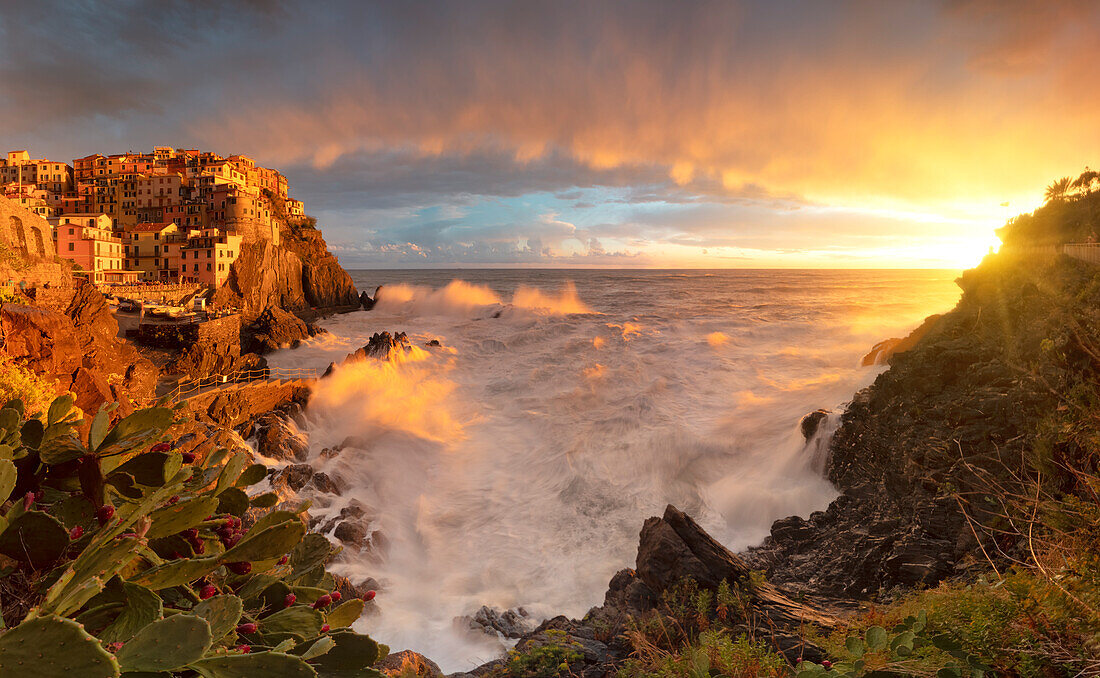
x=407 y=663
x=240 y=406
x=264 y=275
x=293 y=478
x=493 y=621
x=366 y=301
x=381 y=345
x=881 y=352
x=325 y=284
x=275 y=328
x=277 y=437
x=352 y=533
x=811 y=422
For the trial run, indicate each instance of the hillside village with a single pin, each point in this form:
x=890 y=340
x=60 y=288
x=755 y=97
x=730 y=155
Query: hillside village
x=170 y=269
x=173 y=215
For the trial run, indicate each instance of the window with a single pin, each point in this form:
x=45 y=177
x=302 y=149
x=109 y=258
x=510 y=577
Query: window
x=208 y=266
x=72 y=247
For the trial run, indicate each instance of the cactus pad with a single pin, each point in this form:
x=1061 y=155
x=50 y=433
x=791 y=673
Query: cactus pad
x=52 y=647
x=166 y=644
x=221 y=612
x=346 y=614
x=350 y=657
x=179 y=517
x=298 y=620
x=267 y=664
x=264 y=544
x=34 y=537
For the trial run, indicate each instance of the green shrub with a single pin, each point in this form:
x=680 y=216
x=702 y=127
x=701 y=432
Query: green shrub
x=19 y=383
x=547 y=660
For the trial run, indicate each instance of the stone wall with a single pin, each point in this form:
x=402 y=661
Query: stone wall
x=26 y=248
x=225 y=331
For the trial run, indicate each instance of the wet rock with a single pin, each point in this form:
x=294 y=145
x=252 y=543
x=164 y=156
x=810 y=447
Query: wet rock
x=323 y=483
x=293 y=478
x=349 y=589
x=408 y=663
x=811 y=422
x=381 y=346
x=365 y=301
x=433 y=343
x=352 y=533
x=493 y=621
x=278 y=438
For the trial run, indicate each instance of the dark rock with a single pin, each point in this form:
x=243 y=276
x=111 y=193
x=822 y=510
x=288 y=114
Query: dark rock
x=277 y=439
x=352 y=533
x=365 y=301
x=433 y=342
x=275 y=328
x=381 y=346
x=323 y=483
x=507 y=623
x=811 y=422
x=293 y=477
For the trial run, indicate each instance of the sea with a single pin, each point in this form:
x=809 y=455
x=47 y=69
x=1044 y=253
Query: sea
x=513 y=464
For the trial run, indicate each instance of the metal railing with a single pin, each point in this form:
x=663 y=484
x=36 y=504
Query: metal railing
x=190 y=387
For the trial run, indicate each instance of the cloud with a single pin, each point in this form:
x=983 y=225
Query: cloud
x=749 y=116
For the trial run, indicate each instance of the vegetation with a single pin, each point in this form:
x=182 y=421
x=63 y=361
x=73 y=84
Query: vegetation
x=1071 y=214
x=19 y=383
x=123 y=556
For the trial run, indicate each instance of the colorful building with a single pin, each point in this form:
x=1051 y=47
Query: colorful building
x=95 y=250
x=153 y=250
x=207 y=256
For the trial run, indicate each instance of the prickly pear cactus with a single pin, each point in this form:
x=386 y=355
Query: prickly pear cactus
x=53 y=647
x=36 y=538
x=266 y=664
x=166 y=645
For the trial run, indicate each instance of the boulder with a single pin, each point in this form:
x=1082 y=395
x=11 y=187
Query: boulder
x=381 y=346
x=278 y=438
x=365 y=301
x=673 y=547
x=407 y=663
x=293 y=478
x=496 y=622
x=811 y=422
x=275 y=328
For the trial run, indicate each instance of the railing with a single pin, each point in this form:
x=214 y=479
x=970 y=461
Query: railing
x=190 y=387
x=1084 y=251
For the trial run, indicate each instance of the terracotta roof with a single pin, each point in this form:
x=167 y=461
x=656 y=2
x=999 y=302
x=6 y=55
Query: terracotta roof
x=148 y=227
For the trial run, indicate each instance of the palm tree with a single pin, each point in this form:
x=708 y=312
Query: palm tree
x=1058 y=189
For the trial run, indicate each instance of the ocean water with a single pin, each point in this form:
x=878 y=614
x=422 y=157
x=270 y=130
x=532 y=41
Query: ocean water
x=514 y=465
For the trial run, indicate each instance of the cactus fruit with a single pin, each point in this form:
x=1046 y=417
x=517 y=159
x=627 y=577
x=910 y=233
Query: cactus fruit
x=104 y=513
x=188 y=457
x=239 y=568
x=34 y=537
x=76 y=533
x=270 y=664
x=52 y=647
x=161 y=447
x=208 y=591
x=223 y=613
x=244 y=649
x=165 y=645
x=325 y=628
x=369 y=596
x=282 y=561
x=323 y=601
x=336 y=596
x=251 y=628
x=289 y=600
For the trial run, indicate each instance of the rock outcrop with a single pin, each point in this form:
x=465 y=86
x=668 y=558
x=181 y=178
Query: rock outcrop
x=79 y=348
x=881 y=352
x=381 y=345
x=298 y=275
x=275 y=328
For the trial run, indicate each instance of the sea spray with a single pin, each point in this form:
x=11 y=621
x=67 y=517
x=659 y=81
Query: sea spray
x=513 y=464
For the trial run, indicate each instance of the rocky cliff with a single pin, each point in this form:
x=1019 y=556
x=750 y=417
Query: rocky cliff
x=78 y=347
x=914 y=449
x=298 y=275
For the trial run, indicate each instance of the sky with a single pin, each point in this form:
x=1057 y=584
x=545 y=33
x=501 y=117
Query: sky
x=633 y=134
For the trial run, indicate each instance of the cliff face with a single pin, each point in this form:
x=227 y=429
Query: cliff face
x=79 y=348
x=297 y=275
x=915 y=448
